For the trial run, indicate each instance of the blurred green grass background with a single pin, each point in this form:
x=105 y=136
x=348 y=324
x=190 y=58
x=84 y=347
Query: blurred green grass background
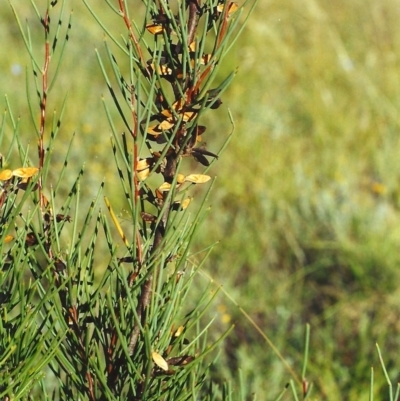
x=306 y=203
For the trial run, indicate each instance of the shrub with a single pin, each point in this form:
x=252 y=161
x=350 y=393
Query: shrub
x=93 y=309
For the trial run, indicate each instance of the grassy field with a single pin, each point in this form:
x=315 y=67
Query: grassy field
x=306 y=206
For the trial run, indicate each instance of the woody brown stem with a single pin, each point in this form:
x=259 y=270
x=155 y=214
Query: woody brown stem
x=193 y=19
x=169 y=173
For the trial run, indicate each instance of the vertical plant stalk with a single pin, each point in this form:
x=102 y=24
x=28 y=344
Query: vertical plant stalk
x=69 y=308
x=43 y=202
x=169 y=174
x=183 y=143
x=43 y=103
x=136 y=183
x=135 y=130
x=175 y=83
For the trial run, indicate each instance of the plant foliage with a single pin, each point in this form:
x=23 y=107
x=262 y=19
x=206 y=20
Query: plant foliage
x=76 y=323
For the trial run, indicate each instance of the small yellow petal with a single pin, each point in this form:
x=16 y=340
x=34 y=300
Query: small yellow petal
x=180 y=178
x=166 y=186
x=189 y=115
x=179 y=331
x=159 y=361
x=232 y=7
x=142 y=164
x=165 y=125
x=5 y=175
x=167 y=113
x=197 y=178
x=185 y=203
x=143 y=174
x=154 y=29
x=8 y=238
x=25 y=172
